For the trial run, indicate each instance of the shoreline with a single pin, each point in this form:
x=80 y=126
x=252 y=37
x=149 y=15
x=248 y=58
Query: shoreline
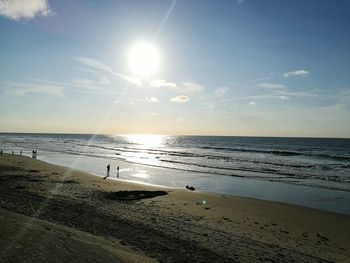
x=324 y=195
x=159 y=222
x=325 y=199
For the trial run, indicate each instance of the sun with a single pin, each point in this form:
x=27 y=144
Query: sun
x=143 y=59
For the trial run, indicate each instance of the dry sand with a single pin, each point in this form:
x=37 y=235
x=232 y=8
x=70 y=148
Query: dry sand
x=115 y=221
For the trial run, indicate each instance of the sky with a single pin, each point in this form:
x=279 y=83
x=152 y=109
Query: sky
x=229 y=67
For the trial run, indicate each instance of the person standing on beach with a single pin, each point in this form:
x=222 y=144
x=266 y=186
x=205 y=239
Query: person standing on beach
x=107 y=175
x=118 y=172
x=1 y=152
x=20 y=152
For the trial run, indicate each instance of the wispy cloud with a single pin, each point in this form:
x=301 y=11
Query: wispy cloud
x=24 y=9
x=87 y=70
x=184 y=87
x=240 y=1
x=79 y=81
x=252 y=103
x=94 y=63
x=282 y=97
x=83 y=85
x=19 y=89
x=151 y=99
x=272 y=86
x=297 y=73
x=161 y=83
x=341 y=99
x=188 y=88
x=221 y=91
x=280 y=91
x=181 y=99
x=267 y=77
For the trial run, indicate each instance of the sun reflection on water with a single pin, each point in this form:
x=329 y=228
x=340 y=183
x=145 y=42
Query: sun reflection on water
x=146 y=140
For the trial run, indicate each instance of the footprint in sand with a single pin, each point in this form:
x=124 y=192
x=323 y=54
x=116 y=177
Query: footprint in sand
x=323 y=238
x=284 y=231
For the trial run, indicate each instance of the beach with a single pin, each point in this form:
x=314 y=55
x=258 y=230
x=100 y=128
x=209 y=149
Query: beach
x=116 y=221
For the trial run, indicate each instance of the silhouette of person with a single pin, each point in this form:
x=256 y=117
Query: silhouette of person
x=107 y=175
x=118 y=172
x=33 y=154
x=20 y=152
x=13 y=153
x=1 y=152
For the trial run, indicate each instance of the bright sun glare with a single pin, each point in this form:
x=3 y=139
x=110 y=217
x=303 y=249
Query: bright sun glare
x=146 y=140
x=143 y=59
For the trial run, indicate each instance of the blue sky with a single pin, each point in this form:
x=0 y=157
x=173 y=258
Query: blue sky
x=255 y=68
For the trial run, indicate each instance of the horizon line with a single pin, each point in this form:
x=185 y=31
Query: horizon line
x=188 y=135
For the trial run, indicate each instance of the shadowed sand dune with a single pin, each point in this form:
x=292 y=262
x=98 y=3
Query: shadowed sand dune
x=26 y=239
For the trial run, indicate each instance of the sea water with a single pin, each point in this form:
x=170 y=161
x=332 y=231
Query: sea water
x=313 y=172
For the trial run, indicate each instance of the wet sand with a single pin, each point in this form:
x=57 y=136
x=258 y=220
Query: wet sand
x=136 y=223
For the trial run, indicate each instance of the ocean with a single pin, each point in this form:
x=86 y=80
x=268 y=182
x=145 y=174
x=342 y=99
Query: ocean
x=313 y=172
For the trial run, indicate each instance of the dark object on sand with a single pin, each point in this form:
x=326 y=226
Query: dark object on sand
x=190 y=188
x=133 y=195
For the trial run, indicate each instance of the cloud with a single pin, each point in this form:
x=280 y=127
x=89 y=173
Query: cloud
x=94 y=63
x=79 y=81
x=297 y=73
x=187 y=88
x=252 y=103
x=284 y=97
x=193 y=87
x=267 y=77
x=181 y=99
x=219 y=92
x=340 y=100
x=240 y=1
x=151 y=99
x=84 y=85
x=184 y=87
x=24 y=9
x=88 y=82
x=280 y=91
x=160 y=83
x=87 y=70
x=19 y=89
x=272 y=86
